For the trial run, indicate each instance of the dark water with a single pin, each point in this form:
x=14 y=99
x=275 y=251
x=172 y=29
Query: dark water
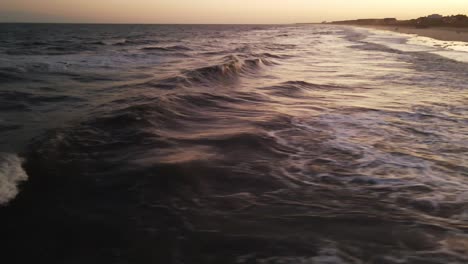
x=231 y=144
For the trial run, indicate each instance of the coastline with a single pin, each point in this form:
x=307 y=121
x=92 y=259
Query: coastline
x=440 y=33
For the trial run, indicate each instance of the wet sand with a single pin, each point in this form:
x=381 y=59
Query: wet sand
x=445 y=33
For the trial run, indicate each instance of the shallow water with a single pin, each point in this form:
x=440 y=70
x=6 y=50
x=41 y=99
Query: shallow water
x=232 y=144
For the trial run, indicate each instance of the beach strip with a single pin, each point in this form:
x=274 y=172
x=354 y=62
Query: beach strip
x=440 y=33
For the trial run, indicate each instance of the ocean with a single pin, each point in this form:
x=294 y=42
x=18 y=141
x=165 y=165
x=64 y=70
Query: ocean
x=231 y=144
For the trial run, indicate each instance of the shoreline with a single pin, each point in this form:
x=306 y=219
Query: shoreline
x=440 y=33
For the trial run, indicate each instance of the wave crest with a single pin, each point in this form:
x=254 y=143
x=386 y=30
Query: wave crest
x=167 y=49
x=232 y=68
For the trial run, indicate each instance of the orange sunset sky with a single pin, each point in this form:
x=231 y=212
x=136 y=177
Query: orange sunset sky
x=220 y=11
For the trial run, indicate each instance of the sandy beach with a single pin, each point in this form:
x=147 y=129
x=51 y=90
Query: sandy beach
x=445 y=33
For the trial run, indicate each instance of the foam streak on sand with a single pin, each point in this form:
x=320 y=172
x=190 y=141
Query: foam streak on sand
x=445 y=34
x=455 y=45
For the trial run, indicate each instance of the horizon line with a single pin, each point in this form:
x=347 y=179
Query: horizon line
x=177 y=23
x=118 y=23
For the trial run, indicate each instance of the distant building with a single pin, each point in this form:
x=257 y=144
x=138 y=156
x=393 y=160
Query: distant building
x=435 y=16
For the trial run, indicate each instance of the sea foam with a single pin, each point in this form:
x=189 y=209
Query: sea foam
x=11 y=174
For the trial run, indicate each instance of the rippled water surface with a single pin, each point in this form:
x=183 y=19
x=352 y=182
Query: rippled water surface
x=231 y=144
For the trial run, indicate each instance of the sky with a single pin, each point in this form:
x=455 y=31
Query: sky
x=220 y=11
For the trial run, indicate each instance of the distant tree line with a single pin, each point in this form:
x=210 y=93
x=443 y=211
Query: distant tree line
x=428 y=21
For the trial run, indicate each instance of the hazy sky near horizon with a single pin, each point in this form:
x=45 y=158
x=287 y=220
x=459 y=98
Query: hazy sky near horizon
x=220 y=11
